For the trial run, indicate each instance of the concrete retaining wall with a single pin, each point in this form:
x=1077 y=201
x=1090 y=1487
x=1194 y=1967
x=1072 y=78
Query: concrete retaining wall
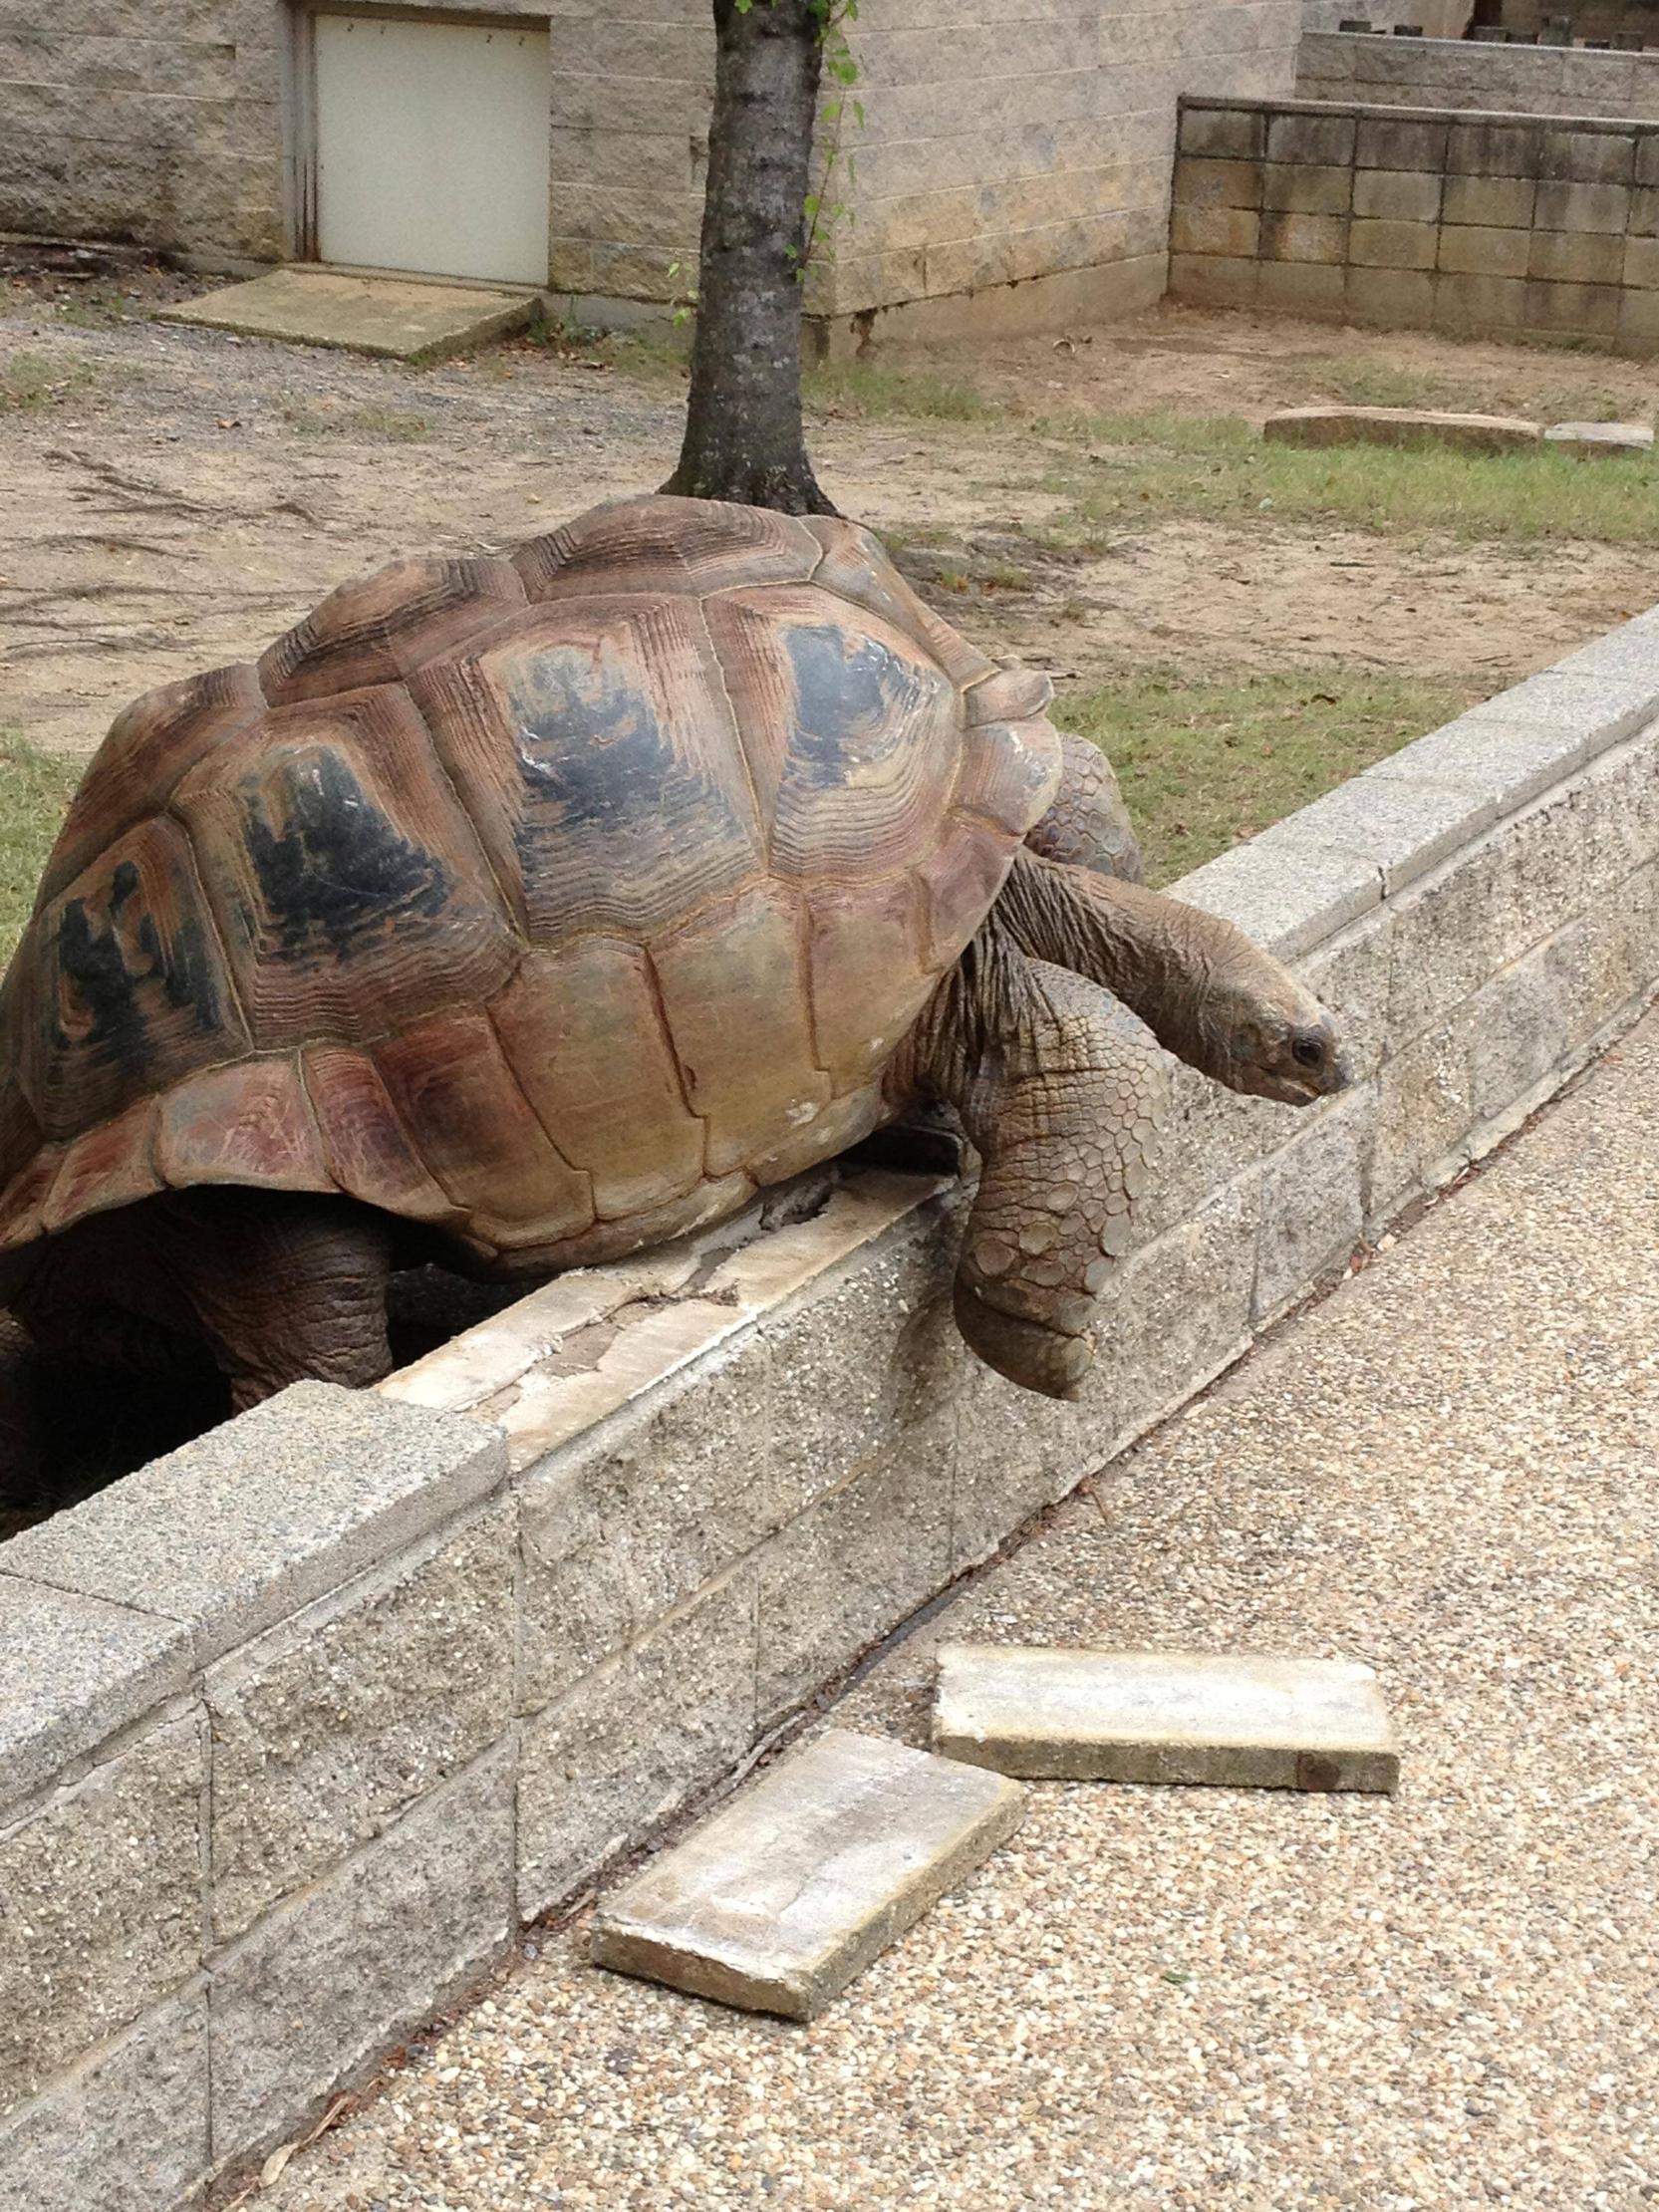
x=1458 y=73
x=1421 y=219
x=298 y=1726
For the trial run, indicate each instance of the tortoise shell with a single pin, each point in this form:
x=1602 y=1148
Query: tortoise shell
x=554 y=902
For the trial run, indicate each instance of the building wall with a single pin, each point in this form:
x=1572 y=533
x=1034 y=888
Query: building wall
x=1467 y=223
x=1003 y=140
x=1458 y=72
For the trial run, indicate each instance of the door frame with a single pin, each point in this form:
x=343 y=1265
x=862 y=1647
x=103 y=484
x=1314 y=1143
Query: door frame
x=301 y=71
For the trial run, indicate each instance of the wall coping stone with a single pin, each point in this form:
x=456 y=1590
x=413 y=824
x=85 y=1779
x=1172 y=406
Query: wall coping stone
x=1387 y=110
x=73 y=1671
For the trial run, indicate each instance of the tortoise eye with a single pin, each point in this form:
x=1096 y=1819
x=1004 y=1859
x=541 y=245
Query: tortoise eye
x=1308 y=1051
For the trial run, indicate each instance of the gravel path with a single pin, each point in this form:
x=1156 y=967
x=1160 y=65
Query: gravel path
x=1159 y=1999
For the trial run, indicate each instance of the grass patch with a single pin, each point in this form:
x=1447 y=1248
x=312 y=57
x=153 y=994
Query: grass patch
x=1132 y=468
x=34 y=790
x=29 y=381
x=854 y=389
x=1206 y=763
x=1380 y=384
x=393 y=425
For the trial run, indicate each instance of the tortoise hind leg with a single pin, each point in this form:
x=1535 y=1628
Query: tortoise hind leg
x=284 y=1288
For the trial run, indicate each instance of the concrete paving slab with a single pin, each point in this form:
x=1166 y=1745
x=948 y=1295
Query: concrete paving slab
x=1164 y=1717
x=779 y=1900
x=400 y=318
x=1597 y=441
x=1409 y=426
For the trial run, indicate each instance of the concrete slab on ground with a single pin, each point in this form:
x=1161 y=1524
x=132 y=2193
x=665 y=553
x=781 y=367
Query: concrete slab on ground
x=1599 y=440
x=1164 y=1717
x=397 y=317
x=780 y=1899
x=1404 y=427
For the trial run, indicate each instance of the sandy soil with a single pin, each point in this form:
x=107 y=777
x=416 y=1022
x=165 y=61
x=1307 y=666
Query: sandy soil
x=187 y=494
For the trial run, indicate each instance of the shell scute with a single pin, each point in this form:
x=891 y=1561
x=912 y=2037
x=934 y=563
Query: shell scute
x=657 y=545
x=593 y=749
x=852 y=732
x=376 y=629
x=251 y=1123
x=349 y=886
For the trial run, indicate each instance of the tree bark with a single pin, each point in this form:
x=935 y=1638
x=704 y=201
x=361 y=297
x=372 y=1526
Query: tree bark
x=743 y=436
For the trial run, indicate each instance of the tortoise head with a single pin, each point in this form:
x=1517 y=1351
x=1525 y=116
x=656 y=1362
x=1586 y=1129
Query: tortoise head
x=1269 y=1036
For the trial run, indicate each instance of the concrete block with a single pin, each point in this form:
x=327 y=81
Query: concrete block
x=1521 y=1028
x=72 y=1670
x=1479 y=303
x=1304 y=239
x=1494 y=202
x=327 y=1981
x=1412 y=427
x=1301 y=287
x=1541 y=880
x=1647 y=155
x=1404 y=827
x=1390 y=143
x=1470 y=249
x=1444 y=940
x=1165 y=1716
x=1215 y=230
x=1644 y=212
x=1397 y=195
x=1286 y=896
x=1607 y=957
x=1599 y=440
x=1228 y=133
x=328 y=1726
x=1350 y=977
x=103 y=1906
x=126 y=2133
x=1396 y=299
x=1589 y=310
x=397 y=319
x=1578 y=256
x=1581 y=207
x=1016 y=1454
x=1313 y=1204
x=1211 y=280
x=1307 y=188
x=781 y=1899
x=1217 y=183
x=281 y=1503
x=1425 y=1114
x=624 y=1751
x=846 y=1573
x=1621 y=827
x=1494 y=149
x=1638 y=327
x=1507 y=763
x=1392 y=245
x=1640 y=264
x=1327 y=139
x=1588 y=157
x=1178 y=1312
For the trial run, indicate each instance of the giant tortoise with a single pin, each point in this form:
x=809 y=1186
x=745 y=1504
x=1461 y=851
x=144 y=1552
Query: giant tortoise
x=522 y=912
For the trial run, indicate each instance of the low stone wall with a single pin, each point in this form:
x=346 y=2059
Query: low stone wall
x=1463 y=73
x=299 y=1726
x=1421 y=219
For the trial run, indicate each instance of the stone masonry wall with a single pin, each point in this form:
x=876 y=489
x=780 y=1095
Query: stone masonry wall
x=1416 y=218
x=1005 y=142
x=300 y=1724
x=1458 y=72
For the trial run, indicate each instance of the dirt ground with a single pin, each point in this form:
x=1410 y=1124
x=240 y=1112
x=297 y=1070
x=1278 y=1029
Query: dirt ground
x=175 y=498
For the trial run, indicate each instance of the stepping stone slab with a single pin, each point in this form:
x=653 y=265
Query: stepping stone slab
x=1409 y=426
x=1165 y=1716
x=402 y=320
x=779 y=1900
x=1593 y=440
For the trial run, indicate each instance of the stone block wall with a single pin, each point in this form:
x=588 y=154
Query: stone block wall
x=1004 y=145
x=1419 y=218
x=1458 y=72
x=300 y=1724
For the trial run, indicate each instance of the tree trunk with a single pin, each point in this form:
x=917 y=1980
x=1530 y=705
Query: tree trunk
x=744 y=434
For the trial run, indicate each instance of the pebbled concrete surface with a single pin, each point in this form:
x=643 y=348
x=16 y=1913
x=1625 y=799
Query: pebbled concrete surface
x=1256 y=2001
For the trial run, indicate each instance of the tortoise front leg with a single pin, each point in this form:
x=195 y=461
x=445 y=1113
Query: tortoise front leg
x=1088 y=825
x=1062 y=1092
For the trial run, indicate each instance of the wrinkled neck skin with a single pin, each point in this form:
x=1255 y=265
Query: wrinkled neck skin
x=1180 y=970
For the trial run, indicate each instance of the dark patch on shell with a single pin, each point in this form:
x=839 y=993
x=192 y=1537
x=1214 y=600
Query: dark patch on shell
x=337 y=870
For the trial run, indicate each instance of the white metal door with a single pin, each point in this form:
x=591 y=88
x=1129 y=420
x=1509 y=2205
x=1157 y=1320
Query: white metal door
x=432 y=147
